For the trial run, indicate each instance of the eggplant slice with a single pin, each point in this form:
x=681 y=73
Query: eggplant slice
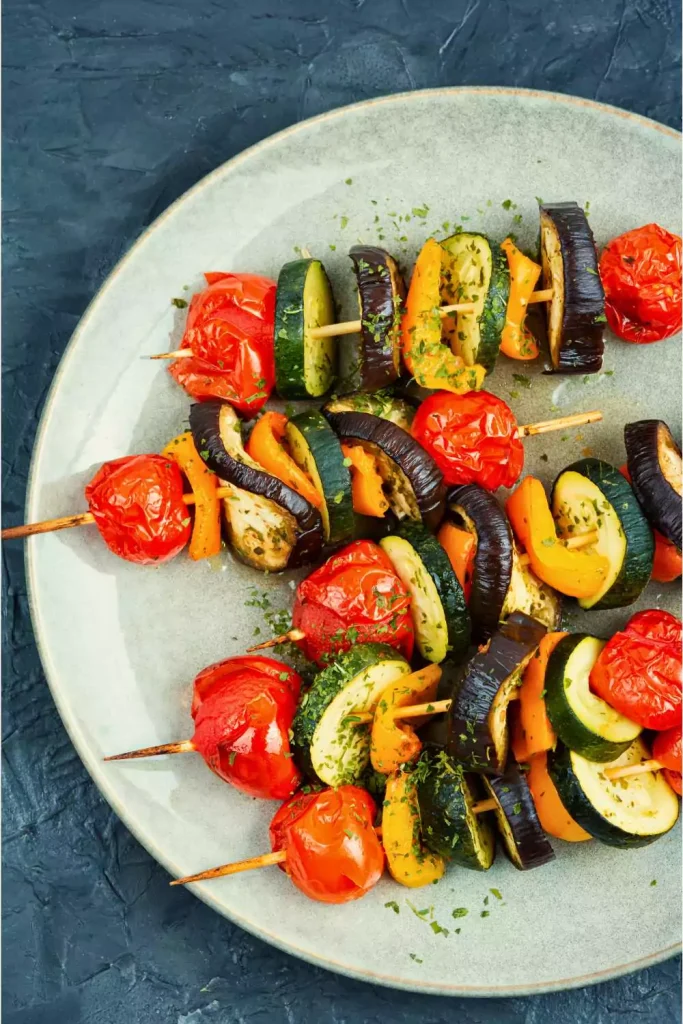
x=270 y=525
x=576 y=313
x=654 y=465
x=525 y=842
x=528 y=594
x=412 y=480
x=478 y=733
x=372 y=360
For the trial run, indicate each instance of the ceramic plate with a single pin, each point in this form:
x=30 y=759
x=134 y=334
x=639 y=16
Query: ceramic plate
x=121 y=644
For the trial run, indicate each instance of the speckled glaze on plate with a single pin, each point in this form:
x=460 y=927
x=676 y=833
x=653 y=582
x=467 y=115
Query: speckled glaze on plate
x=121 y=644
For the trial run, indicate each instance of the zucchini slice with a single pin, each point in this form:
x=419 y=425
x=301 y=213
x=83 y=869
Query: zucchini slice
x=592 y=495
x=478 y=732
x=478 y=273
x=654 y=465
x=581 y=719
x=525 y=841
x=304 y=366
x=382 y=404
x=440 y=616
x=576 y=314
x=530 y=595
x=446 y=796
x=316 y=449
x=626 y=812
x=326 y=738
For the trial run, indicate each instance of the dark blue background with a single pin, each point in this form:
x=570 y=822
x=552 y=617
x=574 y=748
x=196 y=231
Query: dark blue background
x=111 y=109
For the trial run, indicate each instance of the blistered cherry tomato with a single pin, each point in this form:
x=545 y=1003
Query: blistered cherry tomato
x=667 y=749
x=675 y=780
x=230 y=332
x=333 y=853
x=355 y=597
x=641 y=275
x=472 y=438
x=243 y=710
x=638 y=672
x=137 y=502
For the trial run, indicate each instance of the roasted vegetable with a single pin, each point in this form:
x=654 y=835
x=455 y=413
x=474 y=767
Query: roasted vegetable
x=316 y=450
x=394 y=741
x=450 y=828
x=304 y=365
x=524 y=839
x=386 y=406
x=654 y=465
x=409 y=861
x=206 y=528
x=554 y=817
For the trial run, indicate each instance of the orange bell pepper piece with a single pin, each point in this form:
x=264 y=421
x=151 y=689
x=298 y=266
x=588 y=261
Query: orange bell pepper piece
x=552 y=814
x=369 y=498
x=395 y=742
x=409 y=862
x=573 y=572
x=430 y=361
x=206 y=529
x=265 y=447
x=516 y=341
x=460 y=546
x=538 y=731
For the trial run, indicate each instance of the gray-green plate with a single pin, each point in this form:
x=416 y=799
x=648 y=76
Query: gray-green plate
x=121 y=644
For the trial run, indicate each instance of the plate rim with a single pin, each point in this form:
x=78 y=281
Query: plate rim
x=73 y=730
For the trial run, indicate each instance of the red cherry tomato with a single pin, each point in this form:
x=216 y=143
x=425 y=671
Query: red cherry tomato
x=675 y=780
x=333 y=853
x=137 y=502
x=472 y=438
x=667 y=564
x=667 y=749
x=354 y=597
x=639 y=670
x=230 y=329
x=641 y=275
x=243 y=710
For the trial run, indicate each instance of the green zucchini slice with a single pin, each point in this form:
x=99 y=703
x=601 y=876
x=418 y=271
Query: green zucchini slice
x=450 y=828
x=582 y=720
x=304 y=366
x=626 y=812
x=326 y=737
x=479 y=274
x=440 y=616
x=592 y=495
x=315 y=448
x=381 y=403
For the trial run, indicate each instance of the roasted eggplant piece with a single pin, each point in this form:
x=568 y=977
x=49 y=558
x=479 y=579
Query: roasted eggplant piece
x=446 y=796
x=372 y=360
x=654 y=465
x=528 y=594
x=525 y=841
x=576 y=314
x=412 y=480
x=270 y=525
x=386 y=406
x=478 y=733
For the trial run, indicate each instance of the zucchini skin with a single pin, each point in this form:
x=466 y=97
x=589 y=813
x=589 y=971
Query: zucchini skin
x=492 y=318
x=290 y=326
x=640 y=546
x=382 y=292
x=493 y=557
x=525 y=842
x=445 y=795
x=583 y=311
x=335 y=477
x=659 y=500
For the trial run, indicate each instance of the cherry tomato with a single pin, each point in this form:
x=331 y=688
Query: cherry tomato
x=667 y=749
x=354 y=597
x=639 y=670
x=243 y=710
x=333 y=853
x=472 y=438
x=137 y=502
x=675 y=780
x=668 y=563
x=641 y=275
x=230 y=331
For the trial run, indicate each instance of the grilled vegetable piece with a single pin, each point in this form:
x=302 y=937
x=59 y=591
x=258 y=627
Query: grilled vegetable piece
x=316 y=449
x=592 y=495
x=525 y=841
x=654 y=465
x=476 y=272
x=626 y=812
x=394 y=741
x=409 y=861
x=326 y=738
x=582 y=720
x=576 y=313
x=413 y=482
x=304 y=366
x=206 y=528
x=539 y=735
x=270 y=525
x=372 y=360
x=554 y=817
x=440 y=616
x=528 y=594
x=387 y=407
x=478 y=733
x=446 y=796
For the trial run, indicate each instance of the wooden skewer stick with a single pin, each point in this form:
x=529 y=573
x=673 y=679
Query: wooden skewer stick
x=574 y=543
x=181 y=747
x=291 y=637
x=632 y=769
x=579 y=419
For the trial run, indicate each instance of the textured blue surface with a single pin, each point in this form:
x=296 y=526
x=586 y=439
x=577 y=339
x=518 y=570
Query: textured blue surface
x=111 y=109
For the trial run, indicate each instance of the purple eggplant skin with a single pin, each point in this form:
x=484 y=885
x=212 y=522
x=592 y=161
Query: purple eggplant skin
x=417 y=465
x=493 y=558
x=471 y=739
x=578 y=345
x=205 y=424
x=660 y=502
x=525 y=842
x=382 y=293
